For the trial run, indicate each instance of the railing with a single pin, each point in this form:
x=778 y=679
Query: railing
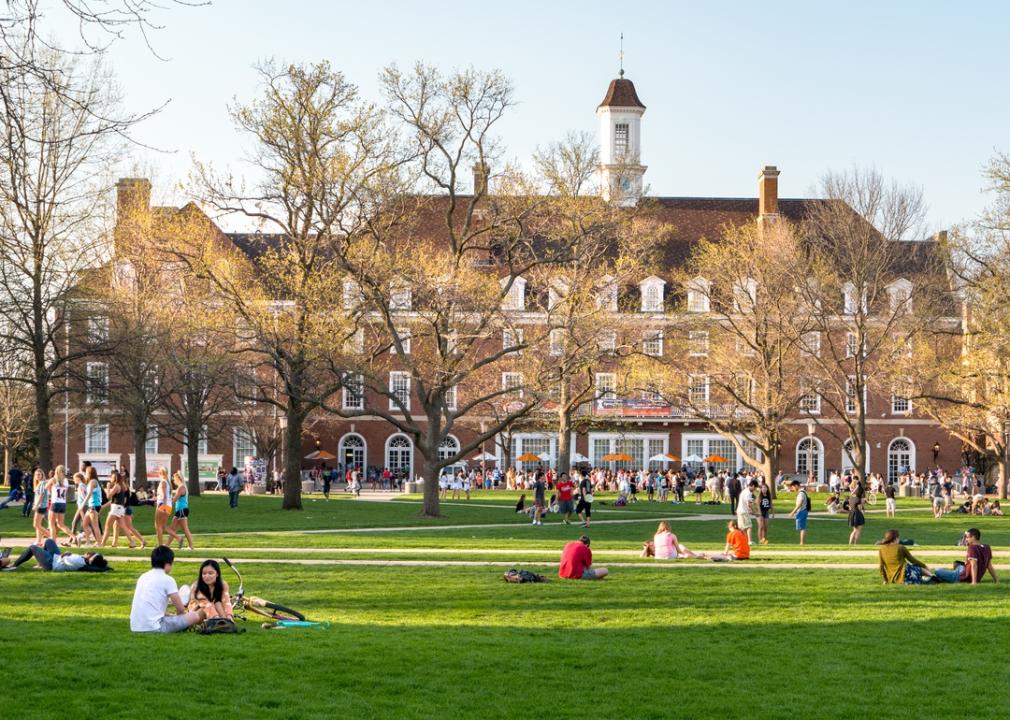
x=632 y=408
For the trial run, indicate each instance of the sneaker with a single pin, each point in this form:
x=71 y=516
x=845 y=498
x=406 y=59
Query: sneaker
x=5 y=553
x=566 y=522
x=533 y=522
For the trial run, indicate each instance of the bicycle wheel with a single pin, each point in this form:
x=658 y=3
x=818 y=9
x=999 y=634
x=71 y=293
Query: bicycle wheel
x=279 y=612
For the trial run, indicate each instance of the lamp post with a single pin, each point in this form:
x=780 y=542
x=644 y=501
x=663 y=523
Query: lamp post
x=936 y=453
x=810 y=449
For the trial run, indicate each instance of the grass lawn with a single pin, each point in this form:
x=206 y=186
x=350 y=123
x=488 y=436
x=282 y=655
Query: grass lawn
x=422 y=642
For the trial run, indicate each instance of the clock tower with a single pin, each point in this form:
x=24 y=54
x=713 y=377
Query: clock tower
x=621 y=168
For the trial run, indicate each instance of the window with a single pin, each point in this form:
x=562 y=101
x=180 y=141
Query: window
x=606 y=386
x=810 y=343
x=399 y=388
x=608 y=341
x=512 y=381
x=808 y=457
x=697 y=391
x=900 y=458
x=243 y=446
x=151 y=444
x=652 y=395
x=152 y=381
x=557 y=342
x=355 y=344
x=97 y=387
x=900 y=405
x=620 y=139
x=851 y=345
x=652 y=294
x=512 y=340
x=352 y=294
x=96 y=438
x=203 y=446
x=899 y=294
x=98 y=330
x=450 y=398
x=404 y=335
x=400 y=296
x=449 y=448
x=743 y=387
x=556 y=293
x=744 y=348
x=354 y=392
x=697 y=295
x=697 y=343
x=246 y=387
x=653 y=343
x=810 y=402
x=850 y=394
x=745 y=295
x=606 y=296
x=515 y=298
x=849 y=299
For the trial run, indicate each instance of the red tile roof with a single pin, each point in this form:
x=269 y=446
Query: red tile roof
x=621 y=93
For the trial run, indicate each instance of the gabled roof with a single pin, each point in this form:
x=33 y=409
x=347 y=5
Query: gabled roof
x=621 y=93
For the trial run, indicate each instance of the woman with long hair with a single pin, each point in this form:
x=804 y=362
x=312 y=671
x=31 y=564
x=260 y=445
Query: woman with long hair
x=210 y=592
x=666 y=546
x=119 y=498
x=181 y=519
x=163 y=505
x=93 y=496
x=127 y=520
x=58 y=488
x=41 y=506
x=81 y=498
x=764 y=511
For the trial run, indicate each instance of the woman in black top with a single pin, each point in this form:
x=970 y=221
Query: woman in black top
x=857 y=497
x=765 y=506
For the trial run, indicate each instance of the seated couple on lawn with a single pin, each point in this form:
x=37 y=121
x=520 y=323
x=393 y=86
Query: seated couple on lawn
x=206 y=598
x=49 y=557
x=665 y=545
x=897 y=565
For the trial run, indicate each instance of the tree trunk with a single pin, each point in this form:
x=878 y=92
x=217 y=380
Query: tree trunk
x=7 y=463
x=431 y=504
x=293 y=461
x=1001 y=474
x=192 y=454
x=564 y=435
x=140 y=453
x=45 y=430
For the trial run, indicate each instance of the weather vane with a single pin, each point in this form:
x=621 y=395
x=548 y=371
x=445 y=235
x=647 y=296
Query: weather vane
x=621 y=55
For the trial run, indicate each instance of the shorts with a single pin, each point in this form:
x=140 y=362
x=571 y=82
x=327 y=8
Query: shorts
x=182 y=514
x=584 y=507
x=743 y=520
x=96 y=508
x=117 y=510
x=765 y=512
x=539 y=502
x=939 y=502
x=175 y=623
x=589 y=574
x=566 y=506
x=59 y=507
x=41 y=511
x=129 y=511
x=801 y=520
x=891 y=503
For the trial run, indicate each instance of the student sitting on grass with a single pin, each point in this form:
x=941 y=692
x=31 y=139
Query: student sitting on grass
x=832 y=504
x=155 y=589
x=978 y=561
x=49 y=557
x=666 y=546
x=897 y=564
x=576 y=562
x=737 y=547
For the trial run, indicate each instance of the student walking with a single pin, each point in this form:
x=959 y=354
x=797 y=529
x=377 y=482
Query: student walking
x=234 y=484
x=764 y=511
x=58 y=488
x=801 y=510
x=41 y=507
x=181 y=519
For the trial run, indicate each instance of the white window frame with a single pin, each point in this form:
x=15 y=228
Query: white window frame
x=608 y=341
x=353 y=392
x=811 y=343
x=849 y=299
x=450 y=398
x=96 y=433
x=249 y=381
x=511 y=337
x=697 y=343
x=745 y=292
x=508 y=381
x=405 y=341
x=851 y=344
x=515 y=299
x=850 y=395
x=352 y=296
x=355 y=344
x=698 y=300
x=896 y=400
x=203 y=445
x=401 y=297
x=652 y=294
x=652 y=343
x=810 y=401
x=692 y=385
x=242 y=440
x=606 y=294
x=98 y=329
x=622 y=139
x=606 y=386
x=97 y=387
x=899 y=292
x=151 y=441
x=557 y=342
x=394 y=377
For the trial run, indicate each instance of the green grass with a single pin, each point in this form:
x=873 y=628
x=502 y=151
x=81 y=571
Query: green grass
x=422 y=642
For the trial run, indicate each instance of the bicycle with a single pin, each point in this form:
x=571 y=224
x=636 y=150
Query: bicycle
x=279 y=616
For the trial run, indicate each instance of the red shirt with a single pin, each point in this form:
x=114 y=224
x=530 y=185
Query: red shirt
x=576 y=558
x=565 y=489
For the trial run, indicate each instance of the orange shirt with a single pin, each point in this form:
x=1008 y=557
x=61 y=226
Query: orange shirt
x=737 y=541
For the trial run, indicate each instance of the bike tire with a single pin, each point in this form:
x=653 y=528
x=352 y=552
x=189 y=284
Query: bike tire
x=281 y=612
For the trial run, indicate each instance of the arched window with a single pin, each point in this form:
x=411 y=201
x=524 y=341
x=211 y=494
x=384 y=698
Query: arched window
x=808 y=458
x=900 y=458
x=448 y=448
x=352 y=451
x=849 y=460
x=400 y=454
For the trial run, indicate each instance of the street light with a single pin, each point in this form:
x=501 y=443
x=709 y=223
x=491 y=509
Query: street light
x=810 y=449
x=936 y=452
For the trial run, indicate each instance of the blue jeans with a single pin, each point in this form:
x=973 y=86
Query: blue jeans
x=948 y=575
x=44 y=555
x=233 y=498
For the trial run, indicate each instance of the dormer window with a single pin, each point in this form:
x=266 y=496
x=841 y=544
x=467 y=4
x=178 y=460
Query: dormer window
x=620 y=139
x=400 y=297
x=899 y=295
x=606 y=296
x=698 y=295
x=849 y=299
x=515 y=298
x=652 y=294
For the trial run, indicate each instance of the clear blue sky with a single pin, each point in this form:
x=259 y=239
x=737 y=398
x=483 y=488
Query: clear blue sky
x=918 y=90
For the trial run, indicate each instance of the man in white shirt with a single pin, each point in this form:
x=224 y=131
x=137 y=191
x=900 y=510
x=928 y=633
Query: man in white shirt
x=745 y=509
x=155 y=589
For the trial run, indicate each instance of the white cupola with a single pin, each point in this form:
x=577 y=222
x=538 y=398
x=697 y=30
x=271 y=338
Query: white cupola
x=621 y=168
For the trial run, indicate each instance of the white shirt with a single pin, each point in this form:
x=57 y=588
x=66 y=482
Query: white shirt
x=68 y=563
x=149 y=600
x=746 y=500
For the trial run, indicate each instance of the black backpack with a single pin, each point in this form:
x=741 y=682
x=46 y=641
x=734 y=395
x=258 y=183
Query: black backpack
x=219 y=625
x=522 y=576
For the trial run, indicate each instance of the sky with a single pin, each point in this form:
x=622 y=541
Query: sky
x=916 y=90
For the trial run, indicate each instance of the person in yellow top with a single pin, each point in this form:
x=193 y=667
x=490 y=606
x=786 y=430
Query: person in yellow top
x=897 y=564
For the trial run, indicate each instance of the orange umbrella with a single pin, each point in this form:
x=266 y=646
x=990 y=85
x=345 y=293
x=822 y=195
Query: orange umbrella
x=671 y=456
x=617 y=457
x=320 y=455
x=529 y=457
x=716 y=459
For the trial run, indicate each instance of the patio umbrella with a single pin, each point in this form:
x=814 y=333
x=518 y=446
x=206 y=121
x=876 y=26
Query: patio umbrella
x=671 y=457
x=485 y=456
x=692 y=459
x=579 y=458
x=716 y=459
x=528 y=457
x=320 y=455
x=660 y=458
x=617 y=457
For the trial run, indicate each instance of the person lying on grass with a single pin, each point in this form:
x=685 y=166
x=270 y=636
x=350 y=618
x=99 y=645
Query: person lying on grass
x=737 y=547
x=155 y=589
x=665 y=545
x=897 y=564
x=977 y=561
x=49 y=557
x=577 y=560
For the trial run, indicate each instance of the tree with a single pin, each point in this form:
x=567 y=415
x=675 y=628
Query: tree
x=53 y=163
x=322 y=160
x=872 y=286
x=17 y=417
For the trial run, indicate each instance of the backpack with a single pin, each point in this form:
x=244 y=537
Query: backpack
x=219 y=625
x=522 y=576
x=806 y=496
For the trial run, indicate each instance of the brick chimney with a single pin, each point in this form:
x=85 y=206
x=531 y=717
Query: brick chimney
x=768 y=192
x=132 y=195
x=481 y=172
